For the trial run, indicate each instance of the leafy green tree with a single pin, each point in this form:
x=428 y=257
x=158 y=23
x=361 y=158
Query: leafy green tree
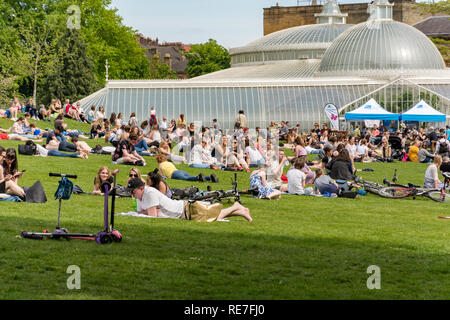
x=74 y=77
x=206 y=58
x=441 y=7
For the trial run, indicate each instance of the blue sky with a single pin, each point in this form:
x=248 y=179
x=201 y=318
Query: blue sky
x=232 y=23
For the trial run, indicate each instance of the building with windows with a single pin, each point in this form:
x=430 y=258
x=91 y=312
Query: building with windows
x=293 y=73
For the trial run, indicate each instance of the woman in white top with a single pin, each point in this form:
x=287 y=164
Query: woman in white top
x=100 y=114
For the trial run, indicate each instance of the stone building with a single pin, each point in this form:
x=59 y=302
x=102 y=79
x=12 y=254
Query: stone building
x=170 y=53
x=278 y=18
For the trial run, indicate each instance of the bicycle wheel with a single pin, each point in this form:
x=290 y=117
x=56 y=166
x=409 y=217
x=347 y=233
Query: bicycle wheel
x=439 y=196
x=394 y=192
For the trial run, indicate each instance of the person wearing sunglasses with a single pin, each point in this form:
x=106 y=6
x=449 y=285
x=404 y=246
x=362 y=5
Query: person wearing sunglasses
x=134 y=173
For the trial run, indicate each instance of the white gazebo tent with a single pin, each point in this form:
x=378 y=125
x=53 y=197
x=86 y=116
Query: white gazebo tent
x=371 y=110
x=422 y=111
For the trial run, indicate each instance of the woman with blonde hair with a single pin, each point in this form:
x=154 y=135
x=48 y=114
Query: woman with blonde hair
x=431 y=175
x=134 y=173
x=103 y=175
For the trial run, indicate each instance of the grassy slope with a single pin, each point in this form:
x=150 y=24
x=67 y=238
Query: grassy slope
x=296 y=248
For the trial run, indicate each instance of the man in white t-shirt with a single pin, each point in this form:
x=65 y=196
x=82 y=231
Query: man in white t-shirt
x=153 y=203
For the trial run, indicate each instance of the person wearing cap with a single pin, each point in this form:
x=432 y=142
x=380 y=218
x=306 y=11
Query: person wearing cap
x=153 y=203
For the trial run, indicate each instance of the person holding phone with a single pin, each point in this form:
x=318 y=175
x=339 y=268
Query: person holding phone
x=9 y=174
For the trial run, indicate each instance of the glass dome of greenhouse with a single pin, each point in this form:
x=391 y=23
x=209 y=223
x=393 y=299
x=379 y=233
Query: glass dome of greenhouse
x=296 y=43
x=381 y=45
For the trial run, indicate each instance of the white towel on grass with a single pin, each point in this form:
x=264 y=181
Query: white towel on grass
x=137 y=215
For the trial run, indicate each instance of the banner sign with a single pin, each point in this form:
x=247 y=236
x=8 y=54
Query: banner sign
x=333 y=114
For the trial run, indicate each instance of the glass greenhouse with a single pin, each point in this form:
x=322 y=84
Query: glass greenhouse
x=292 y=74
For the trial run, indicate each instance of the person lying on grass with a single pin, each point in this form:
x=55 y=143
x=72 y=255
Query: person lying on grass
x=169 y=170
x=155 y=180
x=103 y=175
x=134 y=173
x=153 y=203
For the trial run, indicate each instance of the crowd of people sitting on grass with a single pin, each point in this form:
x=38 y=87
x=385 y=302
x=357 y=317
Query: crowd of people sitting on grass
x=259 y=151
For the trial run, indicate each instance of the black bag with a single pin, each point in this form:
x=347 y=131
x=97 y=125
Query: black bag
x=122 y=192
x=35 y=193
x=28 y=149
x=443 y=147
x=185 y=193
x=348 y=194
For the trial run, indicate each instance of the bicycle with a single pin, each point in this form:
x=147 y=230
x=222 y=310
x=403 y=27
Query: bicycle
x=215 y=195
x=399 y=191
x=370 y=186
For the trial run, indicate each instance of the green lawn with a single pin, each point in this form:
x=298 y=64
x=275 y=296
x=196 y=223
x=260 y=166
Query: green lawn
x=296 y=248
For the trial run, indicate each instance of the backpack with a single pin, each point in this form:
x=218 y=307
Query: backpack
x=28 y=149
x=443 y=147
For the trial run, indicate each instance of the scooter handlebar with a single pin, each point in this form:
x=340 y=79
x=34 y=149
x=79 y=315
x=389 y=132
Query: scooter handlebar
x=62 y=175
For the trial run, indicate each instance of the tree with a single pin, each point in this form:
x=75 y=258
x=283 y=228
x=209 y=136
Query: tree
x=441 y=7
x=206 y=58
x=74 y=76
x=159 y=70
x=30 y=34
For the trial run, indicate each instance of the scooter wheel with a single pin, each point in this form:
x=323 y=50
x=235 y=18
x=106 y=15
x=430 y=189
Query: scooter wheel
x=116 y=236
x=104 y=238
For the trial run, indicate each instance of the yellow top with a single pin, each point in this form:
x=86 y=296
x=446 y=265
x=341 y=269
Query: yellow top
x=167 y=168
x=413 y=154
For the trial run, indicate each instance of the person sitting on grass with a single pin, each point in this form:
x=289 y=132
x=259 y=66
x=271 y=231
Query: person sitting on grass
x=275 y=171
x=153 y=203
x=44 y=114
x=297 y=179
x=431 y=175
x=324 y=184
x=341 y=166
x=155 y=180
x=103 y=175
x=413 y=152
x=126 y=153
x=258 y=181
x=164 y=149
x=424 y=155
x=169 y=170
x=10 y=175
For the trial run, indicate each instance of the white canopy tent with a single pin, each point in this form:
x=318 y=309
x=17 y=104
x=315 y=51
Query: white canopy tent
x=422 y=111
x=371 y=110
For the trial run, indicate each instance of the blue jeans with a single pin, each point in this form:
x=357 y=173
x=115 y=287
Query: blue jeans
x=141 y=147
x=258 y=163
x=54 y=153
x=183 y=175
x=320 y=152
x=200 y=166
